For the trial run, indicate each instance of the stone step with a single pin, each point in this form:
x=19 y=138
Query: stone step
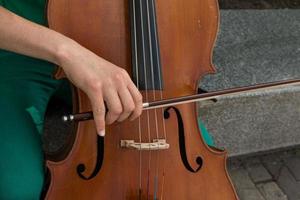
x=254 y=123
x=255 y=46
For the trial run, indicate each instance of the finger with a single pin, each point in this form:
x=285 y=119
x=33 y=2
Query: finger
x=98 y=107
x=114 y=105
x=127 y=103
x=138 y=101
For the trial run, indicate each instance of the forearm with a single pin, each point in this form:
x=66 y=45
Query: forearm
x=98 y=78
x=22 y=36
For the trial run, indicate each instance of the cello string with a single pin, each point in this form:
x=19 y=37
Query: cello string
x=162 y=186
x=151 y=64
x=161 y=89
x=138 y=86
x=153 y=93
x=159 y=73
x=146 y=89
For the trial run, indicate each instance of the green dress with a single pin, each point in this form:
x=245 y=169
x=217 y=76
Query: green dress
x=26 y=85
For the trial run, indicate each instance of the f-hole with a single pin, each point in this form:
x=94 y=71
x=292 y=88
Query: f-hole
x=100 y=156
x=182 y=146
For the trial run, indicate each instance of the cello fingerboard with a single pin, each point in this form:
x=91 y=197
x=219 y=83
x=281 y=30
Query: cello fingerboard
x=146 y=65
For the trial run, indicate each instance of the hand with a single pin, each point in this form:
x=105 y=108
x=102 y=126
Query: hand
x=98 y=78
x=101 y=81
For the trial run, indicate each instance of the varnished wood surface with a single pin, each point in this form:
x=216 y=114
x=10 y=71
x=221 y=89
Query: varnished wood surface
x=187 y=32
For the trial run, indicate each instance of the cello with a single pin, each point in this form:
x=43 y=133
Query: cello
x=166 y=46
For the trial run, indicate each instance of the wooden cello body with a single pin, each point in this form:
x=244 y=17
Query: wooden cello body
x=161 y=155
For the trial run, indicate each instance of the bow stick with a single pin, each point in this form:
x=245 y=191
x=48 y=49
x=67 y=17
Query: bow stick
x=194 y=98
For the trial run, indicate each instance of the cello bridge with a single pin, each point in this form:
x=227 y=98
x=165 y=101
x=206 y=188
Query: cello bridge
x=157 y=144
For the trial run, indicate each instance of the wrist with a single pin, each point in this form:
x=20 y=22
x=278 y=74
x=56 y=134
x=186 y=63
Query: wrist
x=64 y=51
